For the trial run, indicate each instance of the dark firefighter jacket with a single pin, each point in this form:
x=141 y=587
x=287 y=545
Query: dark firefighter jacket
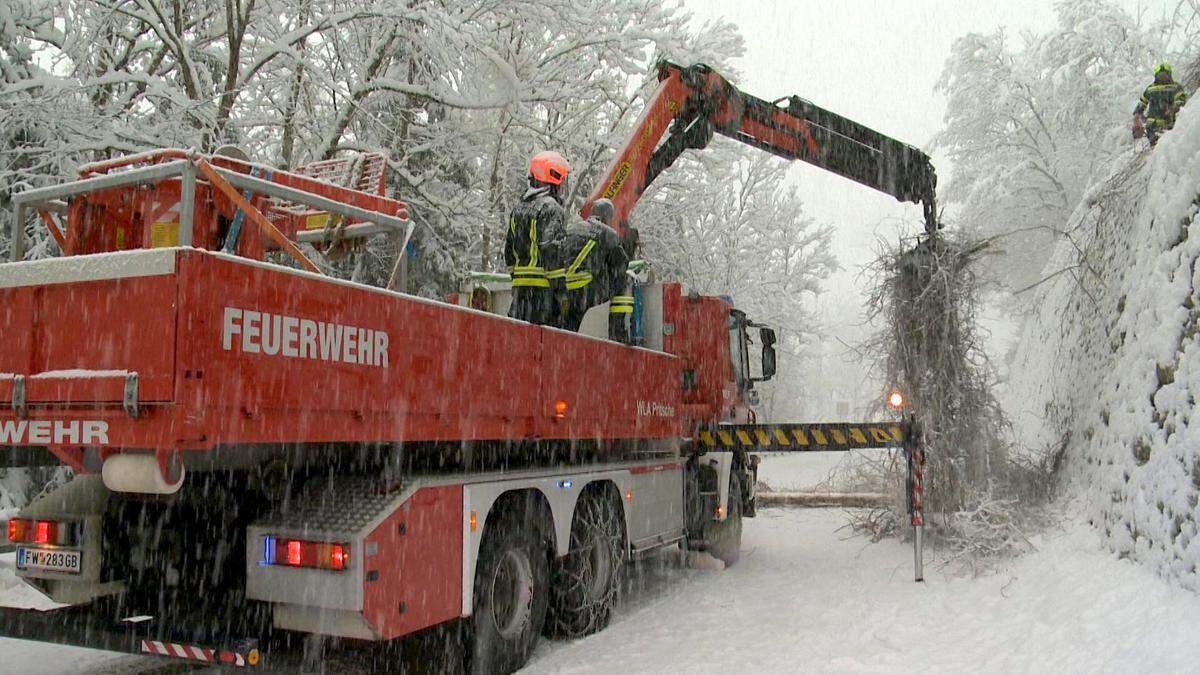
x=592 y=258
x=535 y=221
x=1160 y=102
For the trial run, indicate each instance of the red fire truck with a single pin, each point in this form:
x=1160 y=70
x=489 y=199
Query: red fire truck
x=262 y=452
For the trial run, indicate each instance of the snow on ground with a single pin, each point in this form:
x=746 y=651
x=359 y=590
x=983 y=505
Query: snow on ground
x=805 y=597
x=811 y=471
x=20 y=656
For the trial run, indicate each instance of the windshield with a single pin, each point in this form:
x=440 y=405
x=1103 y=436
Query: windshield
x=738 y=354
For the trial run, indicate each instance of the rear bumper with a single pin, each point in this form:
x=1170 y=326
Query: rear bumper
x=84 y=626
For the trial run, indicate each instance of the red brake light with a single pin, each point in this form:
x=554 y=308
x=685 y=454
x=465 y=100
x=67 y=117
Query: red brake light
x=293 y=553
x=299 y=553
x=337 y=557
x=45 y=532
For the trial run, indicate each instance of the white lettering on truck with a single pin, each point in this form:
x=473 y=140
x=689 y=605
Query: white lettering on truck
x=293 y=337
x=655 y=409
x=56 y=432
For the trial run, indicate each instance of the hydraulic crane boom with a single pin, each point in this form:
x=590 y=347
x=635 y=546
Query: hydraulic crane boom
x=691 y=103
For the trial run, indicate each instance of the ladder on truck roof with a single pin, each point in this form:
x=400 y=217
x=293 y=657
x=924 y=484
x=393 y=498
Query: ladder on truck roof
x=362 y=171
x=904 y=435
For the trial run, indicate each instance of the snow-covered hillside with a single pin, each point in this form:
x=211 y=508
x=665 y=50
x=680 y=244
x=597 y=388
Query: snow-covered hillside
x=1108 y=368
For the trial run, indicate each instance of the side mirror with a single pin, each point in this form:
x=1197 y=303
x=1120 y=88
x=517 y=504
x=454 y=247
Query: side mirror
x=767 y=335
x=768 y=362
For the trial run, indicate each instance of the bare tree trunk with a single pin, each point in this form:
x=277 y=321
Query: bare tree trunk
x=288 y=143
x=495 y=188
x=236 y=21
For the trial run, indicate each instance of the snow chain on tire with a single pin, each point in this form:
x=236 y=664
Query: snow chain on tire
x=585 y=580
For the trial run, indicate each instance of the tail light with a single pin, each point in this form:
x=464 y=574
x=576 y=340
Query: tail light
x=47 y=532
x=18 y=530
x=299 y=553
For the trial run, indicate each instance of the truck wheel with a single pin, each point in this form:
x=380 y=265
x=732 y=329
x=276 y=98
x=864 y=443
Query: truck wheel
x=511 y=594
x=585 y=580
x=725 y=536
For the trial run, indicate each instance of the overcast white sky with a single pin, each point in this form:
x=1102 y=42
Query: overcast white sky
x=877 y=63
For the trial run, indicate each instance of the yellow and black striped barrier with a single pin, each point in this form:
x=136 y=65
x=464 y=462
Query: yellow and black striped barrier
x=810 y=437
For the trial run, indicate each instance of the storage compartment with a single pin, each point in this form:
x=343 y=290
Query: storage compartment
x=76 y=329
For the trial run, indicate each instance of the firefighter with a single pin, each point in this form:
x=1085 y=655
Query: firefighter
x=1156 y=110
x=620 y=308
x=535 y=221
x=594 y=264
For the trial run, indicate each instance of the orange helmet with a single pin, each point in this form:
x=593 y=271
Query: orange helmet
x=549 y=167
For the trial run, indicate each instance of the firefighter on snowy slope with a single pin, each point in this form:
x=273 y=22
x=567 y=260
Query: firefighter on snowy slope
x=1156 y=110
x=536 y=221
x=594 y=264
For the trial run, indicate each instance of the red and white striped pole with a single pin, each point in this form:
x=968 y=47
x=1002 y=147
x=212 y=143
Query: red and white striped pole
x=916 y=460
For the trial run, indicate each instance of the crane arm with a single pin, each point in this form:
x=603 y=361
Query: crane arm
x=691 y=104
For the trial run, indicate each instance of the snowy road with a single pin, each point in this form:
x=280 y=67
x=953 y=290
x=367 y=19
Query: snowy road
x=806 y=598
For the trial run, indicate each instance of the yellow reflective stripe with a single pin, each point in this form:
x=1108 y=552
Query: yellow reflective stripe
x=622 y=300
x=620 y=309
x=578 y=281
x=528 y=270
x=583 y=254
x=533 y=242
x=556 y=274
x=512 y=225
x=529 y=275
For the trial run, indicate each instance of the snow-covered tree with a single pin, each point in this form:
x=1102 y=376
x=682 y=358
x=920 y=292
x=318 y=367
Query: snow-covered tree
x=1030 y=122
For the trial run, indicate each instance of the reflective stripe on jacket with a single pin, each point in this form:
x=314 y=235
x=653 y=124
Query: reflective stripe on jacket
x=1161 y=101
x=621 y=304
x=576 y=279
x=536 y=221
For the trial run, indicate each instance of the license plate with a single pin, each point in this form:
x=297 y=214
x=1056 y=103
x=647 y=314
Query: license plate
x=49 y=560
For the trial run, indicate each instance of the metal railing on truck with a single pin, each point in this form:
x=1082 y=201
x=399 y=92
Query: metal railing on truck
x=236 y=186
